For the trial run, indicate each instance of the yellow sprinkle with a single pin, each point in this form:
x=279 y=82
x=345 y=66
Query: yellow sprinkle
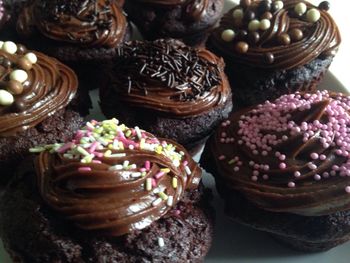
x=121 y=145
x=110 y=147
x=87 y=159
x=163 y=195
x=143 y=174
x=159 y=149
x=128 y=133
x=107 y=153
x=165 y=170
x=174 y=182
x=122 y=127
x=142 y=143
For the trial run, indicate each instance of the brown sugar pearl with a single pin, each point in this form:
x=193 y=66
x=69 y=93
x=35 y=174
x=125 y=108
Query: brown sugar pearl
x=266 y=15
x=269 y=58
x=254 y=37
x=245 y=3
x=14 y=87
x=242 y=47
x=6 y=63
x=264 y=6
x=296 y=34
x=242 y=34
x=248 y=15
x=325 y=5
x=19 y=105
x=24 y=64
x=21 y=49
x=284 y=39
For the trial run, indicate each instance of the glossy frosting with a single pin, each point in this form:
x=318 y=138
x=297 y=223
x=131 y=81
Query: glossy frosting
x=92 y=23
x=50 y=86
x=319 y=39
x=169 y=77
x=125 y=180
x=194 y=8
x=291 y=155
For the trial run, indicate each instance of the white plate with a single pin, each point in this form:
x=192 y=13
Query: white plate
x=239 y=244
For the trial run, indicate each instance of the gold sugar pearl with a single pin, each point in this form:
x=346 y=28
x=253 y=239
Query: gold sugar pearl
x=267 y=15
x=284 y=39
x=296 y=34
x=14 y=87
x=24 y=63
x=238 y=13
x=228 y=35
x=242 y=47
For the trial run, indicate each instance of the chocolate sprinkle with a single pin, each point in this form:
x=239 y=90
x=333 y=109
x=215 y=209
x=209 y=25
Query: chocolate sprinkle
x=166 y=63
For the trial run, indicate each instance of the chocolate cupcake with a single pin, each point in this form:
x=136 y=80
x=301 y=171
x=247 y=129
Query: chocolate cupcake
x=187 y=20
x=169 y=89
x=113 y=194
x=35 y=91
x=83 y=34
x=283 y=167
x=275 y=48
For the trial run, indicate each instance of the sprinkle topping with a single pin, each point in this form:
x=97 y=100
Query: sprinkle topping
x=99 y=165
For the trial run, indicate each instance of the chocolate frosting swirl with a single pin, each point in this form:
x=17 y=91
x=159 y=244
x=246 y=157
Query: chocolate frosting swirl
x=50 y=86
x=291 y=155
x=109 y=195
x=321 y=38
x=194 y=8
x=87 y=23
x=169 y=77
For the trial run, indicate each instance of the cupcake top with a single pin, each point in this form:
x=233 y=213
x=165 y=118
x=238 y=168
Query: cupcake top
x=4 y=16
x=194 y=8
x=111 y=179
x=276 y=35
x=290 y=155
x=91 y=23
x=170 y=77
x=32 y=87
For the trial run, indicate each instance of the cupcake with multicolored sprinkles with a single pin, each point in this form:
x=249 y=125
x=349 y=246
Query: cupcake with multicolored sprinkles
x=112 y=194
x=286 y=163
x=273 y=48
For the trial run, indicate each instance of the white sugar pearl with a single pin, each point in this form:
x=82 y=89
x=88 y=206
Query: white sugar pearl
x=9 y=47
x=278 y=5
x=313 y=15
x=265 y=24
x=228 y=35
x=1 y=44
x=238 y=13
x=6 y=98
x=19 y=75
x=300 y=8
x=31 y=57
x=254 y=25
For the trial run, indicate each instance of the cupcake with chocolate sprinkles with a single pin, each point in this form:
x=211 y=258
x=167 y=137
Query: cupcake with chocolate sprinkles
x=188 y=20
x=168 y=88
x=283 y=167
x=112 y=194
x=36 y=103
x=83 y=34
x=275 y=48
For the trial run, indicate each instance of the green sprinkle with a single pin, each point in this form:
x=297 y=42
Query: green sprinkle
x=163 y=195
x=38 y=149
x=148 y=184
x=231 y=161
x=82 y=151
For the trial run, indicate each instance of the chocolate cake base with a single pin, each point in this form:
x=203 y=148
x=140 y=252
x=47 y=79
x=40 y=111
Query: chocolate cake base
x=191 y=132
x=33 y=233
x=157 y=21
x=57 y=128
x=305 y=233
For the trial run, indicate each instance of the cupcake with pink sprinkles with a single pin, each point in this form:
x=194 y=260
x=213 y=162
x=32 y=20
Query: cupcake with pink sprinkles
x=287 y=162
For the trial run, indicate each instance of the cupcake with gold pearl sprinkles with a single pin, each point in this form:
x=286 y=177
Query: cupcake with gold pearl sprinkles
x=36 y=92
x=283 y=167
x=110 y=194
x=273 y=48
